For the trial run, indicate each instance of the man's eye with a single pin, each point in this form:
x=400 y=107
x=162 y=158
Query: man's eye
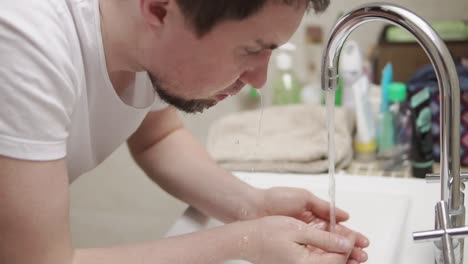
x=254 y=51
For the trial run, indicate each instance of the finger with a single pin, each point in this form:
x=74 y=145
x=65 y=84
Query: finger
x=306 y=217
x=358 y=255
x=361 y=240
x=322 y=209
x=325 y=240
x=331 y=258
x=352 y=261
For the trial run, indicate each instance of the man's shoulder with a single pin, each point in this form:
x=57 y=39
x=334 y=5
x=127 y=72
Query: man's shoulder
x=38 y=36
x=43 y=25
x=32 y=9
x=35 y=18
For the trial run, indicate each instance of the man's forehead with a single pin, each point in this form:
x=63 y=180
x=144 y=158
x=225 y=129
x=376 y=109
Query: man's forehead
x=268 y=29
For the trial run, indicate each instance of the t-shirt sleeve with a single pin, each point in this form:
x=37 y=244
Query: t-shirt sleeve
x=37 y=91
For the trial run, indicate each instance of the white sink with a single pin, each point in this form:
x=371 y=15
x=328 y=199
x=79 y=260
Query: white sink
x=387 y=210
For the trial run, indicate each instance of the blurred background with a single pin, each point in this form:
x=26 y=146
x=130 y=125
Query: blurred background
x=117 y=204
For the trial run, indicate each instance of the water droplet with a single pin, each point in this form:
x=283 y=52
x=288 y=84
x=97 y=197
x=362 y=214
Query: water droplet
x=244 y=245
x=244 y=212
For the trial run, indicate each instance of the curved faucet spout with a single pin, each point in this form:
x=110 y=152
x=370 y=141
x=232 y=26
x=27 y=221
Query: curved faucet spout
x=445 y=70
x=451 y=185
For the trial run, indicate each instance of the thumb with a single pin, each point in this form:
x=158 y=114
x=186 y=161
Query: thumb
x=351 y=237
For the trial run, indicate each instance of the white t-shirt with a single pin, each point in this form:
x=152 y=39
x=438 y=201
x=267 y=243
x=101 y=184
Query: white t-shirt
x=56 y=98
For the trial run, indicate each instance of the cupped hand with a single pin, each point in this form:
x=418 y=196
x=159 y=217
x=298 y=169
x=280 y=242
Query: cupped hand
x=285 y=240
x=298 y=203
x=357 y=255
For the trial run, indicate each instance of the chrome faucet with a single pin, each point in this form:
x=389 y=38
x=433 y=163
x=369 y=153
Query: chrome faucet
x=450 y=210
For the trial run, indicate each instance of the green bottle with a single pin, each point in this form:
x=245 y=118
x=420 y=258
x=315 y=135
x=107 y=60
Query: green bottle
x=286 y=87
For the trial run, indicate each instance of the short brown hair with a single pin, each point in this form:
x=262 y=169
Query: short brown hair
x=203 y=15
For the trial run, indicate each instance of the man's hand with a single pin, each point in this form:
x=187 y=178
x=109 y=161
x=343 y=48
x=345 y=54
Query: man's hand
x=304 y=206
x=297 y=203
x=285 y=240
x=357 y=255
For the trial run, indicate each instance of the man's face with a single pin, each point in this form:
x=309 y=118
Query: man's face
x=194 y=73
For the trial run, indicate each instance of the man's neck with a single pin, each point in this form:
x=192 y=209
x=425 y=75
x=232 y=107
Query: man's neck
x=119 y=34
x=119 y=40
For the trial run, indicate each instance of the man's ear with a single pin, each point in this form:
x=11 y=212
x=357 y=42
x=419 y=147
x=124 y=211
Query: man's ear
x=154 y=11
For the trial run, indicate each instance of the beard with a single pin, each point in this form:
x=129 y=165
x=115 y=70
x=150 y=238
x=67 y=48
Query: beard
x=185 y=105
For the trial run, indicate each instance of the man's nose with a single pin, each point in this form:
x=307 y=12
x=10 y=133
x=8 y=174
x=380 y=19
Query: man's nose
x=257 y=76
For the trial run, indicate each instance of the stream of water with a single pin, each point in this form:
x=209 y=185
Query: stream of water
x=330 y=102
x=259 y=131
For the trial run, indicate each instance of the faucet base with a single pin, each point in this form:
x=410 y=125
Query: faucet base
x=457 y=250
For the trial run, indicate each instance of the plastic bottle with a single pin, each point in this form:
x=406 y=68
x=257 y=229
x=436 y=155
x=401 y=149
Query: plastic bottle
x=401 y=116
x=312 y=91
x=365 y=142
x=421 y=139
x=351 y=69
x=286 y=87
x=354 y=87
x=386 y=131
x=313 y=50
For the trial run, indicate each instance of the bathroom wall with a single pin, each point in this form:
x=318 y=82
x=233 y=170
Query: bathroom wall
x=117 y=204
x=367 y=34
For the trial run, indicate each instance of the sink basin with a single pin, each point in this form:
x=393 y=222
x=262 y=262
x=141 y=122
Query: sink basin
x=387 y=210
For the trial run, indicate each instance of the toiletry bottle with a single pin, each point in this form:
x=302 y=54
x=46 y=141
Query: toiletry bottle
x=312 y=91
x=365 y=143
x=401 y=115
x=339 y=93
x=351 y=69
x=385 y=130
x=286 y=87
x=313 y=50
x=421 y=139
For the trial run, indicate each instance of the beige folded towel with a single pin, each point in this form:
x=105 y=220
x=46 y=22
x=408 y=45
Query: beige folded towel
x=292 y=138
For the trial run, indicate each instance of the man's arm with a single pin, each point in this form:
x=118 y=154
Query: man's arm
x=34 y=226
x=176 y=161
x=34 y=206
x=34 y=229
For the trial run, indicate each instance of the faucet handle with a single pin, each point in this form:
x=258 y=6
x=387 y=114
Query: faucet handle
x=445 y=233
x=434 y=235
x=435 y=177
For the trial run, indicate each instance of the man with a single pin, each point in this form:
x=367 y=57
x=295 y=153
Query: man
x=79 y=77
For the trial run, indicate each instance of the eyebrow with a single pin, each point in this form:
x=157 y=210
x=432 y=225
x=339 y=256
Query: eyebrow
x=270 y=46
